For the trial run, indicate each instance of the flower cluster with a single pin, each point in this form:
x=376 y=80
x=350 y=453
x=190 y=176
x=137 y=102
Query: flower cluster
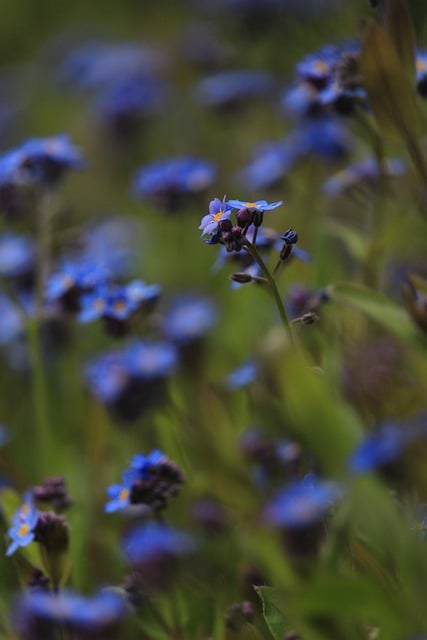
x=148 y=482
x=220 y=228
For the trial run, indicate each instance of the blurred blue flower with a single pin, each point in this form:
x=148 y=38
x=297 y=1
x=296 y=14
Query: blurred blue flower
x=141 y=463
x=271 y=162
x=108 y=376
x=242 y=376
x=12 y=323
x=218 y=210
x=39 y=161
x=17 y=255
x=302 y=504
x=74 y=277
x=115 y=301
x=152 y=541
x=189 y=318
x=97 y=615
x=363 y=173
x=166 y=181
x=380 y=448
x=124 y=103
x=95 y=65
x=226 y=89
x=324 y=136
x=258 y=205
x=24 y=522
x=150 y=360
x=317 y=67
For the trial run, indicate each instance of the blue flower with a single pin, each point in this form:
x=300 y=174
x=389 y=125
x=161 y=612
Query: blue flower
x=133 y=379
x=189 y=318
x=96 y=615
x=151 y=360
x=271 y=162
x=242 y=376
x=301 y=504
x=12 y=324
x=165 y=181
x=17 y=255
x=138 y=469
x=218 y=210
x=141 y=464
x=227 y=89
x=380 y=448
x=108 y=376
x=76 y=275
x=152 y=541
x=116 y=302
x=119 y=494
x=258 y=205
x=24 y=522
x=96 y=65
x=39 y=161
x=125 y=102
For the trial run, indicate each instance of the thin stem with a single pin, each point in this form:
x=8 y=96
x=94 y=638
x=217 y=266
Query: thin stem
x=34 y=326
x=253 y=251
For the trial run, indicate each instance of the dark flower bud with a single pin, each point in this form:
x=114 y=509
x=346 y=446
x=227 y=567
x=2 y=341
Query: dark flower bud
x=38 y=581
x=234 y=239
x=225 y=225
x=52 y=533
x=163 y=482
x=239 y=614
x=211 y=516
x=54 y=493
x=258 y=218
x=292 y=635
x=290 y=237
x=243 y=217
x=309 y=318
x=241 y=277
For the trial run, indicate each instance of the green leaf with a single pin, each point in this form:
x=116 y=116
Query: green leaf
x=271 y=609
x=390 y=92
x=399 y=26
x=380 y=308
x=354 y=241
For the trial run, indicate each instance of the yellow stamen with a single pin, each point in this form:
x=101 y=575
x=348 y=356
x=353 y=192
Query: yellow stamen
x=251 y=205
x=23 y=530
x=218 y=216
x=124 y=494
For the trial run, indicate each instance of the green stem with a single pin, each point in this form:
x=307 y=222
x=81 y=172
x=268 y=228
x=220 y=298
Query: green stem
x=34 y=325
x=253 y=251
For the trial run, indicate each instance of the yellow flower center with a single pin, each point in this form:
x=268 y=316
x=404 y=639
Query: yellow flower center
x=320 y=66
x=23 y=530
x=421 y=65
x=124 y=494
x=251 y=205
x=218 y=216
